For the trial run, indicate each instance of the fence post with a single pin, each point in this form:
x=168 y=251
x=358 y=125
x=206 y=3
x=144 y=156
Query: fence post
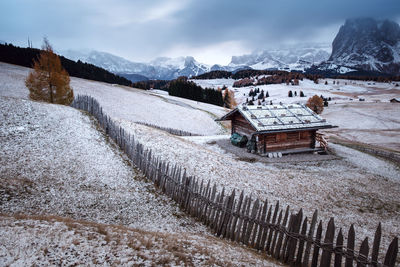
x=391 y=254
x=314 y=262
x=350 y=247
x=339 y=249
x=328 y=244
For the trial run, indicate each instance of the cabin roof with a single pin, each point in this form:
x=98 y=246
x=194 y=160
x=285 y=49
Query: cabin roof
x=280 y=118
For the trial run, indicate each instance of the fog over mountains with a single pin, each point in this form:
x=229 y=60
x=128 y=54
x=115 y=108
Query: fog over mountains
x=361 y=44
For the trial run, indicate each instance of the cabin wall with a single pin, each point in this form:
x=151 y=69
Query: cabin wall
x=241 y=126
x=281 y=141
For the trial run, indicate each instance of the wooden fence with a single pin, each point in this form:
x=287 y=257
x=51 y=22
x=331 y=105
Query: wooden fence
x=286 y=236
x=168 y=130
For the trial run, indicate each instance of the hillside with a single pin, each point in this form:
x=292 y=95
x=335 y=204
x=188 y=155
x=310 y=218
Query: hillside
x=131 y=104
x=348 y=188
x=25 y=56
x=69 y=196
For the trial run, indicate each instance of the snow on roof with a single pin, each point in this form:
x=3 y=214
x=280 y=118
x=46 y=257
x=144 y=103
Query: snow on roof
x=281 y=117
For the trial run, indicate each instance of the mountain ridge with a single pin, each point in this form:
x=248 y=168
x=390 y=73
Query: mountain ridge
x=369 y=45
x=164 y=68
x=363 y=45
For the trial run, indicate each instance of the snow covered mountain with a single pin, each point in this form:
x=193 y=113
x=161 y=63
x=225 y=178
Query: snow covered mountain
x=162 y=68
x=296 y=57
x=367 y=44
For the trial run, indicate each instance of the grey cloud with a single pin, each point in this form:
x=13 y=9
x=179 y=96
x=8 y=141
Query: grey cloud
x=115 y=26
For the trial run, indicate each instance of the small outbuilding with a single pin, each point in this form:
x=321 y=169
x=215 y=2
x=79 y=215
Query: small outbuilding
x=395 y=100
x=278 y=128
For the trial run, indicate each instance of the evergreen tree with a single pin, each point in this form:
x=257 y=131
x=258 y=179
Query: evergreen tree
x=290 y=94
x=301 y=94
x=49 y=81
x=267 y=94
x=261 y=95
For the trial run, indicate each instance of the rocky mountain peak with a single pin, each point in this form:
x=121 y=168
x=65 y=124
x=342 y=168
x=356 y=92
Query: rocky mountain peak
x=368 y=44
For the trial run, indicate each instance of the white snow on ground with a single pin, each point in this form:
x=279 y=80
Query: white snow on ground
x=345 y=188
x=376 y=124
x=373 y=121
x=342 y=90
x=340 y=188
x=55 y=241
x=129 y=103
x=53 y=160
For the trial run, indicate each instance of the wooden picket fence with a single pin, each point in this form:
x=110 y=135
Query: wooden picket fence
x=168 y=130
x=284 y=235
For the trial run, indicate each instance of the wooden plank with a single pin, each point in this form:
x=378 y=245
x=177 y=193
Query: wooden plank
x=271 y=231
x=266 y=228
x=328 y=241
x=339 y=249
x=300 y=250
x=314 y=262
x=199 y=200
x=293 y=241
x=310 y=236
x=218 y=210
x=362 y=259
x=350 y=247
x=250 y=225
x=376 y=244
x=277 y=252
x=257 y=227
x=246 y=218
x=241 y=215
x=276 y=234
x=211 y=205
x=207 y=197
x=227 y=215
x=258 y=244
x=236 y=217
x=391 y=254
x=284 y=253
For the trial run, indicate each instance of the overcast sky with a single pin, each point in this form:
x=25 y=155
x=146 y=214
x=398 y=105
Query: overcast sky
x=210 y=30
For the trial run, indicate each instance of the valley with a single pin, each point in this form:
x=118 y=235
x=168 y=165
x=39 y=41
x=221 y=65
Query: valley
x=346 y=188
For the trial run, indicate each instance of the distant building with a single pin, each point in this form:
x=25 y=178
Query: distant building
x=395 y=100
x=278 y=128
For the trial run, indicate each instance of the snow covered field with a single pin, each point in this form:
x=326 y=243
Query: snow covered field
x=128 y=103
x=374 y=121
x=55 y=241
x=355 y=188
x=71 y=197
x=54 y=161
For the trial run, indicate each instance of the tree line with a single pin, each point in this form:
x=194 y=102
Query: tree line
x=313 y=75
x=26 y=56
x=181 y=87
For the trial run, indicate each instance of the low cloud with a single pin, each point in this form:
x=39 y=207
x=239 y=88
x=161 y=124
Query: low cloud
x=141 y=30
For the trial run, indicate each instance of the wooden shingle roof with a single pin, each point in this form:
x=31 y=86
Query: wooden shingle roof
x=280 y=118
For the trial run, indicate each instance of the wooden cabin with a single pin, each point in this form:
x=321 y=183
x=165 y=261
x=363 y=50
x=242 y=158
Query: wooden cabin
x=278 y=128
